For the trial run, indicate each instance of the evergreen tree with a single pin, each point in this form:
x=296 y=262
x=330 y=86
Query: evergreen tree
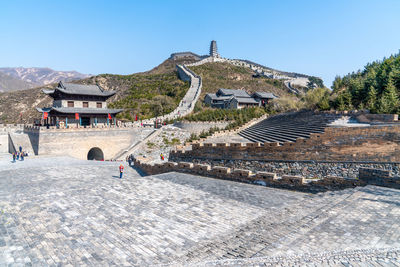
x=371 y=99
x=348 y=100
x=389 y=100
x=340 y=103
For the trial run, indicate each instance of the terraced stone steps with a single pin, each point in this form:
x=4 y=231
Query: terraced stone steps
x=288 y=127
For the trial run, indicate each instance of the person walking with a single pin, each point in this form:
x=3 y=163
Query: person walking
x=17 y=155
x=129 y=160
x=20 y=149
x=121 y=170
x=13 y=157
x=22 y=156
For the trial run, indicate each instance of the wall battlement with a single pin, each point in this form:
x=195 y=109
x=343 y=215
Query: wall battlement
x=375 y=143
x=295 y=182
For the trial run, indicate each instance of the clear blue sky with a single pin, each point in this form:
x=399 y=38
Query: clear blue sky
x=321 y=38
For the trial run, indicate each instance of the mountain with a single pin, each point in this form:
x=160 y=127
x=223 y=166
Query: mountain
x=147 y=94
x=33 y=77
x=10 y=83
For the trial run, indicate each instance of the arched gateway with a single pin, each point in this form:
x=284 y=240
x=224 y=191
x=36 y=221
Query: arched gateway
x=95 y=153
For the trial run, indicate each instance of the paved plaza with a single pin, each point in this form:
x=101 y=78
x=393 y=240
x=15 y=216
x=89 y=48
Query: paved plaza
x=63 y=211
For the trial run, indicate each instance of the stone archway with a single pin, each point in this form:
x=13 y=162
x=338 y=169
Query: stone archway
x=95 y=153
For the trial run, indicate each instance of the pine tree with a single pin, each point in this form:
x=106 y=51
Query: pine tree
x=389 y=100
x=371 y=99
x=341 y=105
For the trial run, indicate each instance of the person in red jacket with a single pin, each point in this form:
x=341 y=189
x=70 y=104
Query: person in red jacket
x=121 y=170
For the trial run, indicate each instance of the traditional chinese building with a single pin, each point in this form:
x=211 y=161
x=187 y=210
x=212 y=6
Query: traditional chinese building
x=77 y=104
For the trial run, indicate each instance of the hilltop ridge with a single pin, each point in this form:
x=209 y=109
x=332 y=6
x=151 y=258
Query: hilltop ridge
x=21 y=78
x=159 y=90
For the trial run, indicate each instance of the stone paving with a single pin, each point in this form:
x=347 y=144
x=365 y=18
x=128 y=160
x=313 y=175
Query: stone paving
x=62 y=211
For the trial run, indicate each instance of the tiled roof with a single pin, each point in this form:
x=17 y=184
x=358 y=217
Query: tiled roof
x=80 y=89
x=265 y=95
x=245 y=100
x=81 y=110
x=234 y=92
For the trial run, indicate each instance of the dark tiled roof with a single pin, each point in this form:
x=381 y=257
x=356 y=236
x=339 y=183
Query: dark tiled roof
x=215 y=97
x=81 y=110
x=265 y=95
x=80 y=89
x=234 y=92
x=245 y=100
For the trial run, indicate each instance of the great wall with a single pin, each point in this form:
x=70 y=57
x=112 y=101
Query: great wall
x=329 y=157
x=115 y=141
x=296 y=188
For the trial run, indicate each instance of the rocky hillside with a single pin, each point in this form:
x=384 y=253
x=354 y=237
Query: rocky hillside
x=146 y=94
x=225 y=75
x=22 y=78
x=19 y=106
x=10 y=83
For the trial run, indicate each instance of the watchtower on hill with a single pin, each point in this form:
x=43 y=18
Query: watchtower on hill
x=214 y=49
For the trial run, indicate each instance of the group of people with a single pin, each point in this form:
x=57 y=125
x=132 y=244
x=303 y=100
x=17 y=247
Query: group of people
x=129 y=159
x=19 y=155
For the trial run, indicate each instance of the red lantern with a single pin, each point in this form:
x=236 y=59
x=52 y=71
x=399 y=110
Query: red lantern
x=136 y=118
x=76 y=116
x=109 y=116
x=45 y=115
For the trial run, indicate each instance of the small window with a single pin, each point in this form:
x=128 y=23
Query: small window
x=85 y=104
x=70 y=104
x=99 y=105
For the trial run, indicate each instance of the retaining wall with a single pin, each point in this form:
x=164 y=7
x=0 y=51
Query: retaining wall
x=271 y=179
x=308 y=169
x=197 y=127
x=356 y=144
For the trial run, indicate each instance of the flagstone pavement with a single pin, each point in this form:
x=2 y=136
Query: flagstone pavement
x=67 y=212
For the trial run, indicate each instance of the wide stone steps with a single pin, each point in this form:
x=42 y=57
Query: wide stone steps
x=288 y=127
x=265 y=138
x=281 y=135
x=285 y=132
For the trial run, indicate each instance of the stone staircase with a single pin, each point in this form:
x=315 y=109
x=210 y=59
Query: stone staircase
x=288 y=127
x=129 y=150
x=19 y=138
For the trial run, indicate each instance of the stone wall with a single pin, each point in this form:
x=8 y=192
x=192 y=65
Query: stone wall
x=78 y=143
x=375 y=144
x=197 y=127
x=5 y=130
x=3 y=142
x=271 y=179
x=307 y=169
x=75 y=142
x=183 y=75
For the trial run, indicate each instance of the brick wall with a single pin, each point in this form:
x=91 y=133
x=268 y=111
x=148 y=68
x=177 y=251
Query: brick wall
x=375 y=143
x=293 y=182
x=271 y=179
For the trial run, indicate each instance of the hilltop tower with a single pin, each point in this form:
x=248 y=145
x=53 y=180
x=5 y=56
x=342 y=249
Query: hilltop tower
x=214 y=49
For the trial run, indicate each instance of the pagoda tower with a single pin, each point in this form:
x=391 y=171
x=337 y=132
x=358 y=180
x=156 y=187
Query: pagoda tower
x=214 y=49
